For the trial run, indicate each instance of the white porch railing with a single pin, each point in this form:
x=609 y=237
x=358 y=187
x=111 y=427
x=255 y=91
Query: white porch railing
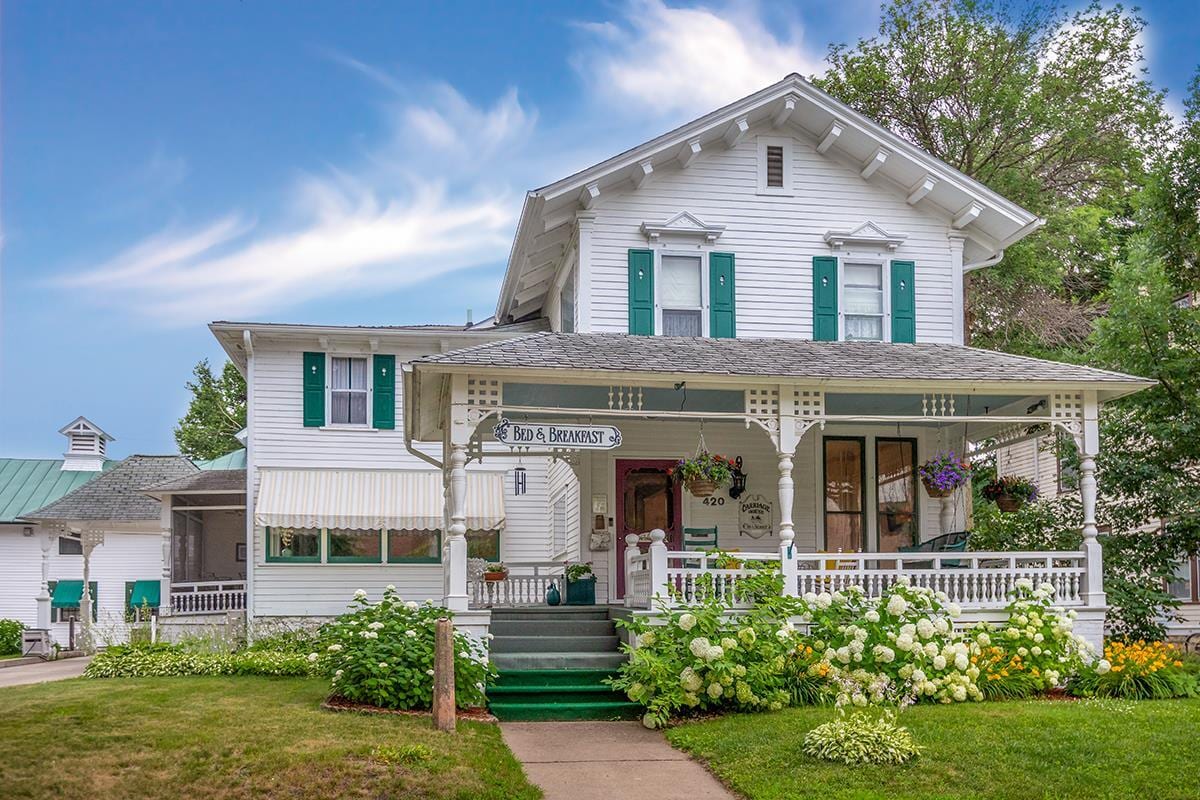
x=208 y=597
x=972 y=580
x=526 y=585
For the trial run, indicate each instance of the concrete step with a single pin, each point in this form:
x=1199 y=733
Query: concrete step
x=554 y=644
x=551 y=612
x=552 y=627
x=547 y=678
x=549 y=660
x=599 y=710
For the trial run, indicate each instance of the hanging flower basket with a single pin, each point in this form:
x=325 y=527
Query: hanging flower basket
x=943 y=474
x=703 y=473
x=1010 y=492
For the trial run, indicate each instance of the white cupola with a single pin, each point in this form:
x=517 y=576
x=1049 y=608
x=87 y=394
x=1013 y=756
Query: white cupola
x=86 y=446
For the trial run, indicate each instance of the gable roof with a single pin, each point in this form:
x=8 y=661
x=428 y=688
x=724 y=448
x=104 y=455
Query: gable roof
x=844 y=362
x=30 y=483
x=116 y=495
x=991 y=221
x=84 y=425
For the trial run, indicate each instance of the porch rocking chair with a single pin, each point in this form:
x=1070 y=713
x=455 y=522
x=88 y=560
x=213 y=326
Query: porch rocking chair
x=954 y=542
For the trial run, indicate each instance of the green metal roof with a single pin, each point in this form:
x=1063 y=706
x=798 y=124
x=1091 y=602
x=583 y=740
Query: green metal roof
x=234 y=460
x=27 y=484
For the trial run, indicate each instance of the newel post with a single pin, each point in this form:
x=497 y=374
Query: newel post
x=660 y=587
x=631 y=552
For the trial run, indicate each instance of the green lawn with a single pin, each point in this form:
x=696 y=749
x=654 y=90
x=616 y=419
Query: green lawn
x=234 y=738
x=1009 y=751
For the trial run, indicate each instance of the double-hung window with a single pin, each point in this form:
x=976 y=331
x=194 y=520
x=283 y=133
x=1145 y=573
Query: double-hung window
x=681 y=295
x=863 y=301
x=348 y=391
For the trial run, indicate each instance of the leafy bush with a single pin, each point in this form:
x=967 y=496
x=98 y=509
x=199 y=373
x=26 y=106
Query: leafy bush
x=1138 y=671
x=703 y=657
x=164 y=660
x=894 y=649
x=382 y=654
x=861 y=738
x=10 y=636
x=298 y=639
x=1014 y=486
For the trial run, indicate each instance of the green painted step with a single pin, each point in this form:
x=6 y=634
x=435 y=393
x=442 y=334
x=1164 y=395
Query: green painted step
x=553 y=695
x=535 y=643
x=552 y=627
x=597 y=710
x=522 y=661
x=553 y=677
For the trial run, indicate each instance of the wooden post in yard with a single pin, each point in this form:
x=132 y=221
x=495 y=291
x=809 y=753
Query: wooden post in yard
x=443 y=676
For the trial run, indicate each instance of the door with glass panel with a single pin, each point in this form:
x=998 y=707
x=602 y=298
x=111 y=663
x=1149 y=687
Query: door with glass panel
x=896 y=493
x=845 y=494
x=680 y=296
x=862 y=301
x=647 y=498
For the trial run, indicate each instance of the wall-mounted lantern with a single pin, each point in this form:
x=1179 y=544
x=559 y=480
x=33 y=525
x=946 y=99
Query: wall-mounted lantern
x=738 y=485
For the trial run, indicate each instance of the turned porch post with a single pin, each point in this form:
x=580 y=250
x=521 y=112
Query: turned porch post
x=1093 y=588
x=43 y=598
x=166 y=523
x=787 y=531
x=631 y=551
x=456 y=543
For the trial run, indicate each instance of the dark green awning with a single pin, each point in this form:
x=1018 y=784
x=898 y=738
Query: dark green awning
x=145 y=593
x=67 y=594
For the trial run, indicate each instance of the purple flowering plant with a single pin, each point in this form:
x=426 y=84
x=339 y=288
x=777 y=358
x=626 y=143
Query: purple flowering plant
x=945 y=471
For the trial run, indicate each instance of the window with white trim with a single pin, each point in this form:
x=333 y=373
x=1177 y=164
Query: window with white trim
x=348 y=390
x=681 y=295
x=863 y=304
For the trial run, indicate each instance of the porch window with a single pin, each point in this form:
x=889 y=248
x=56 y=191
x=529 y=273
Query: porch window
x=301 y=545
x=483 y=544
x=348 y=391
x=862 y=290
x=681 y=297
x=354 y=547
x=414 y=547
x=896 y=493
x=845 y=494
x=1183 y=586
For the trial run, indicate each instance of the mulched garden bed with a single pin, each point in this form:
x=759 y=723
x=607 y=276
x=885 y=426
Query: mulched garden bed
x=342 y=704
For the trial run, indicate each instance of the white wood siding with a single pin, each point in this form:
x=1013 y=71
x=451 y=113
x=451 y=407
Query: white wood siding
x=1033 y=459
x=123 y=557
x=774 y=238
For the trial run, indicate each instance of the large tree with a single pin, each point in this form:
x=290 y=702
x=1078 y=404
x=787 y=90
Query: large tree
x=216 y=413
x=1050 y=109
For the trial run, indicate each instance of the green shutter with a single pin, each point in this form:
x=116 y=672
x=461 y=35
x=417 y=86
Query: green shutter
x=383 y=412
x=314 y=390
x=722 y=320
x=641 y=292
x=825 y=299
x=904 y=314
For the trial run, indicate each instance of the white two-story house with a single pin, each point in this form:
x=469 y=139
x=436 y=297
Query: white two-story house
x=779 y=281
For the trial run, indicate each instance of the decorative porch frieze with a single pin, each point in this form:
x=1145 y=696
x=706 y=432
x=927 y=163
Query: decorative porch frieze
x=625 y=398
x=808 y=409
x=937 y=404
x=483 y=391
x=1066 y=413
x=762 y=408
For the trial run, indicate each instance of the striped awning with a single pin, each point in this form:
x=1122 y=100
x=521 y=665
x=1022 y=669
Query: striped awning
x=372 y=499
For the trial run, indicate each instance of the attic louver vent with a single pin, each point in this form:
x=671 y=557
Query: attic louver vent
x=774 y=165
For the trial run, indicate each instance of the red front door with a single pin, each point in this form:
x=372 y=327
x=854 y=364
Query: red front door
x=647 y=498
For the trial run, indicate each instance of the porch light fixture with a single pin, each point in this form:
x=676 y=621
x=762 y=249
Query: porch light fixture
x=738 y=485
x=519 y=481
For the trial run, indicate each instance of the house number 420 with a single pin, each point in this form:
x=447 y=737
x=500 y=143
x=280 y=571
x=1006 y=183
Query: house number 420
x=714 y=501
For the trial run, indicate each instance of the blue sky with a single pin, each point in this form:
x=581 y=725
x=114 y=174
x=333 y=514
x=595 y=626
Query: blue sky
x=169 y=164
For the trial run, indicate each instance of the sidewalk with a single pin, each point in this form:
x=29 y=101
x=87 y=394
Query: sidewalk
x=607 y=761
x=42 y=672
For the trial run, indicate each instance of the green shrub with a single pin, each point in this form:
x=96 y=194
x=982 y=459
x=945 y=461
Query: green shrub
x=382 y=654
x=164 y=660
x=10 y=636
x=861 y=738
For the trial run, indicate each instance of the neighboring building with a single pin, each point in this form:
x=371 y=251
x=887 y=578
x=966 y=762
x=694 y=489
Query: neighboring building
x=781 y=280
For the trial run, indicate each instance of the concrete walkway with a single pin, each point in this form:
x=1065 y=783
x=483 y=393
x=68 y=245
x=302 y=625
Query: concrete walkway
x=41 y=673
x=607 y=761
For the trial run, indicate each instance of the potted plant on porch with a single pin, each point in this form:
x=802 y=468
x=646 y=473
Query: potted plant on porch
x=495 y=571
x=944 y=473
x=1010 y=492
x=703 y=473
x=581 y=584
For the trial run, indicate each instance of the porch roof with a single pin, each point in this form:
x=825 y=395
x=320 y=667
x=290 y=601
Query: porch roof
x=212 y=481
x=849 y=362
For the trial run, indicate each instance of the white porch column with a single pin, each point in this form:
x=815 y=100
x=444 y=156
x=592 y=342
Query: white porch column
x=631 y=552
x=660 y=589
x=43 y=598
x=88 y=540
x=165 y=521
x=787 y=531
x=456 y=543
x=1093 y=593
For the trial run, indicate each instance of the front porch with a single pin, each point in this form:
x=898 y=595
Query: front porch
x=829 y=436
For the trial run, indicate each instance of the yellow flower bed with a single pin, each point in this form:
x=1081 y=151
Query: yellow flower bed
x=1142 y=658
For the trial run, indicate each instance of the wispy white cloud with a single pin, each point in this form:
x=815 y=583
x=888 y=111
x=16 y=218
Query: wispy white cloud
x=688 y=60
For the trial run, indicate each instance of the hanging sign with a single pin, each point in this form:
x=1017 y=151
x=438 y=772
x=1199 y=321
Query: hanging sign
x=756 y=516
x=550 y=435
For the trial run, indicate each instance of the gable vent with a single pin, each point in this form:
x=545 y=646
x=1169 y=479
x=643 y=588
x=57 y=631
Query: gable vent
x=774 y=165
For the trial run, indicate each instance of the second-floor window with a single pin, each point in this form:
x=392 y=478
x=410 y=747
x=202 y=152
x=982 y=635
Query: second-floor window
x=863 y=304
x=681 y=297
x=348 y=391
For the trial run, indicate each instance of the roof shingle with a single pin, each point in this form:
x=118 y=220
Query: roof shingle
x=116 y=495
